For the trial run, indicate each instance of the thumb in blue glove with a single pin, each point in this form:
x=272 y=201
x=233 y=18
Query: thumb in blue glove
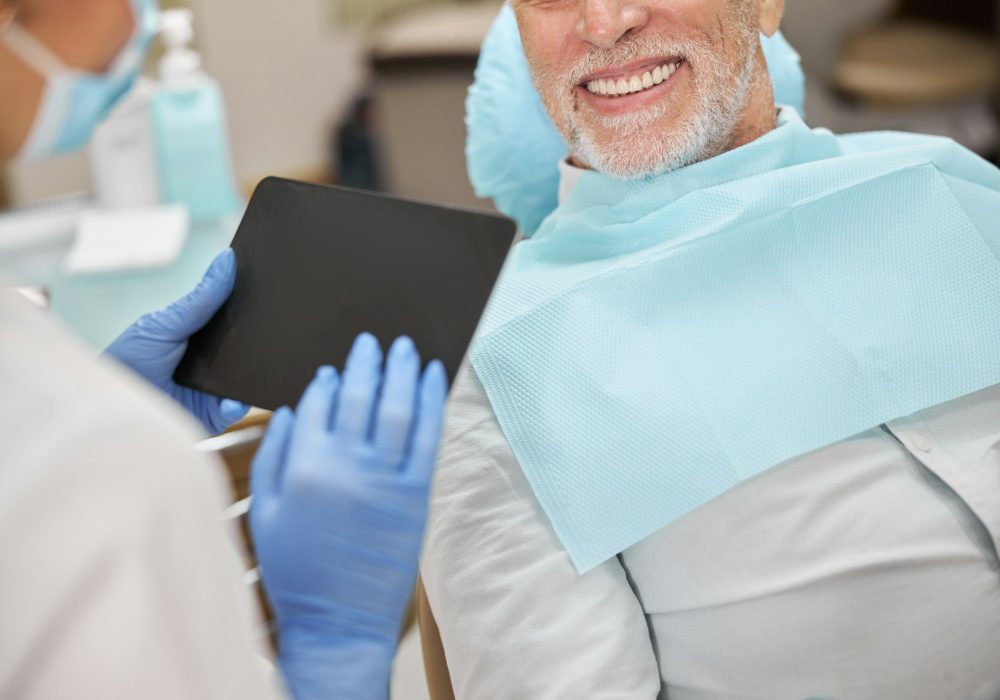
x=154 y=345
x=340 y=494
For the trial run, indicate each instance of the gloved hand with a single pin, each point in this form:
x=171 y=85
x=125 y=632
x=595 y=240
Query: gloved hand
x=154 y=345
x=340 y=493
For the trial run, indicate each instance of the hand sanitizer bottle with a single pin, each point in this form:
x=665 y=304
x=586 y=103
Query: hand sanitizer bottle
x=189 y=128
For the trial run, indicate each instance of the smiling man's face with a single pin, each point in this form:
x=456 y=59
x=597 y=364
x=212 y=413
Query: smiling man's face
x=640 y=88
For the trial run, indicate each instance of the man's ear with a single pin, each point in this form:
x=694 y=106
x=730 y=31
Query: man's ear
x=770 y=13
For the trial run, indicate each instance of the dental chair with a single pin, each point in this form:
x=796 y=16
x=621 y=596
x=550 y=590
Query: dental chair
x=926 y=53
x=236 y=448
x=935 y=65
x=435 y=663
x=422 y=62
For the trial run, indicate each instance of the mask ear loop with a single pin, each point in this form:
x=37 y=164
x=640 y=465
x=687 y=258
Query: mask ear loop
x=29 y=49
x=44 y=61
x=7 y=15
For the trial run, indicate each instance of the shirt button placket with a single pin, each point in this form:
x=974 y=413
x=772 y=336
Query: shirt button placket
x=922 y=442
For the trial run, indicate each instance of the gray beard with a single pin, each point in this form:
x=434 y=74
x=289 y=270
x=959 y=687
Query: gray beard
x=632 y=154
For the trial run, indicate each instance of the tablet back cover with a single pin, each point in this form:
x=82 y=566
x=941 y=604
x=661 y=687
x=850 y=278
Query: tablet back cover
x=318 y=265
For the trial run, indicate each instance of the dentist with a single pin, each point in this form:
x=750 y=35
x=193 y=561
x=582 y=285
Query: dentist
x=119 y=579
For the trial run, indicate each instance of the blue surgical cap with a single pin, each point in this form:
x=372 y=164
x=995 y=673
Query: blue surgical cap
x=513 y=149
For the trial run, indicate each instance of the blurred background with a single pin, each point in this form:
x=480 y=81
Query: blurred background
x=369 y=92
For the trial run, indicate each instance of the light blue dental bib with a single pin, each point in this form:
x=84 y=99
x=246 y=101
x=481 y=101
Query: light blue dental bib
x=658 y=342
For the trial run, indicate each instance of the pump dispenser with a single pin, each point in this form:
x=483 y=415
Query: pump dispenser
x=189 y=128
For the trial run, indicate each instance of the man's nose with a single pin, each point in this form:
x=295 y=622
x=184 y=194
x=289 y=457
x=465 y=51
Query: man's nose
x=604 y=22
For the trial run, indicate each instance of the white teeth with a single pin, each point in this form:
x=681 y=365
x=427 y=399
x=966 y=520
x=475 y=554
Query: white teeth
x=637 y=83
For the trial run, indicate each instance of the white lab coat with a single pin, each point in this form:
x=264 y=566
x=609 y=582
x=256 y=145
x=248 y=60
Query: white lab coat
x=118 y=579
x=863 y=571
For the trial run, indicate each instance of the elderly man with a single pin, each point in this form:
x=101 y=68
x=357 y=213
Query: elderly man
x=732 y=425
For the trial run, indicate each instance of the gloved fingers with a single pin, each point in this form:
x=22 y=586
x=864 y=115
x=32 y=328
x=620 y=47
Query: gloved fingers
x=397 y=402
x=357 y=394
x=189 y=314
x=315 y=409
x=430 y=418
x=266 y=475
x=231 y=411
x=205 y=407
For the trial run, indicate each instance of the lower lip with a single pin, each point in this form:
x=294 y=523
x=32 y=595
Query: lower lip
x=634 y=101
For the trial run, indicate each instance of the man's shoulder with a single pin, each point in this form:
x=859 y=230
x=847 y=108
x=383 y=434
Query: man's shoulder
x=894 y=150
x=471 y=426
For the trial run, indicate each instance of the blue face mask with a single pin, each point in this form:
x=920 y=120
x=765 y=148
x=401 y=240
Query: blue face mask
x=75 y=102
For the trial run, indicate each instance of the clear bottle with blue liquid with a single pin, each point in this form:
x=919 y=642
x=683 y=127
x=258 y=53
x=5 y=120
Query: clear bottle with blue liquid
x=189 y=129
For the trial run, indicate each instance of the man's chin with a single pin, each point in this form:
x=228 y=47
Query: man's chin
x=638 y=171
x=633 y=158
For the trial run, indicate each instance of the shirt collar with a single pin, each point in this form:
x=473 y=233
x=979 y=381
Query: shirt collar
x=569 y=176
x=791 y=142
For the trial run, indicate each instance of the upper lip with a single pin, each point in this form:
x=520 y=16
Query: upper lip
x=627 y=68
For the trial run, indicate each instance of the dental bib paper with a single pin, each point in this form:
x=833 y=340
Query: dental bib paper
x=128 y=239
x=658 y=342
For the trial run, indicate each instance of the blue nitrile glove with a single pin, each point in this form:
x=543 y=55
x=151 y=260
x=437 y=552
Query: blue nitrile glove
x=154 y=345
x=340 y=493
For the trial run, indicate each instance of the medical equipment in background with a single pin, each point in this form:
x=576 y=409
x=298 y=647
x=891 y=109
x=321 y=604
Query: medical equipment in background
x=927 y=66
x=356 y=150
x=924 y=53
x=121 y=155
x=189 y=128
x=362 y=12
x=422 y=62
x=166 y=142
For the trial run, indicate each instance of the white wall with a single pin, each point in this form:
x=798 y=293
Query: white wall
x=287 y=75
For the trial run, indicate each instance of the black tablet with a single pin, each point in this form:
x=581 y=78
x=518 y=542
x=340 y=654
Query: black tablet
x=318 y=265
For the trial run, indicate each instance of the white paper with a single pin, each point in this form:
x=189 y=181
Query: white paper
x=125 y=239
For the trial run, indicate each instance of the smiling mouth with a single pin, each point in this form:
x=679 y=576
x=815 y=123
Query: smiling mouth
x=634 y=82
